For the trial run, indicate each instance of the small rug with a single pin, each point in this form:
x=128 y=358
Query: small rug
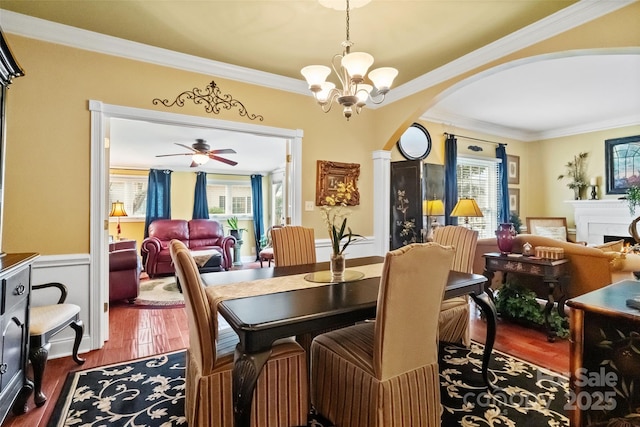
x=161 y=292
x=150 y=392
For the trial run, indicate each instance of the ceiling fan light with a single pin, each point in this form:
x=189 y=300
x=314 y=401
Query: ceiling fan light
x=382 y=78
x=200 y=159
x=357 y=64
x=315 y=75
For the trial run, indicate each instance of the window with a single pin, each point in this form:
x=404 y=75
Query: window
x=229 y=198
x=132 y=191
x=478 y=179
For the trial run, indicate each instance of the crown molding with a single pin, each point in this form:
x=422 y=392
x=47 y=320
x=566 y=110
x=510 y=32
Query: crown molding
x=570 y=17
x=40 y=29
x=618 y=122
x=475 y=125
x=563 y=20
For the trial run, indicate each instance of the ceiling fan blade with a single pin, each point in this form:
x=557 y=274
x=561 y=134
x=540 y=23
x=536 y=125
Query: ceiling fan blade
x=223 y=151
x=180 y=154
x=187 y=147
x=223 y=160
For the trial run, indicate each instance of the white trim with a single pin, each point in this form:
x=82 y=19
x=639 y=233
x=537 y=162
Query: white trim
x=570 y=17
x=381 y=201
x=100 y=116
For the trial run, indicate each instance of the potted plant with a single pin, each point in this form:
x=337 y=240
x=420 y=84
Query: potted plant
x=234 y=229
x=577 y=174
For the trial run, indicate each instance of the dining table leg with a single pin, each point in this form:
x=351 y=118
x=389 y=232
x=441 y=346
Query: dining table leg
x=246 y=370
x=489 y=309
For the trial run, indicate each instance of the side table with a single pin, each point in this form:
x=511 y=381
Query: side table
x=554 y=273
x=604 y=358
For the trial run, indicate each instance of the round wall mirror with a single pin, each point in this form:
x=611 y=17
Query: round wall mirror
x=415 y=142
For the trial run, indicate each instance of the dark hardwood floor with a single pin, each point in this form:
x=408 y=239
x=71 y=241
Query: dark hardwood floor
x=137 y=332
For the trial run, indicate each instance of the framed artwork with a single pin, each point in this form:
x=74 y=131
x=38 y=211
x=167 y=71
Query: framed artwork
x=514 y=200
x=622 y=163
x=513 y=169
x=330 y=174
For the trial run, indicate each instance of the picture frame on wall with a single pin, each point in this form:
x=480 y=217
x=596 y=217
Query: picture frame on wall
x=329 y=174
x=514 y=201
x=622 y=162
x=513 y=169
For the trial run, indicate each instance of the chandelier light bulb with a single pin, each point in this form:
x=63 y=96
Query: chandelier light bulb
x=324 y=94
x=382 y=78
x=315 y=75
x=357 y=64
x=200 y=159
x=363 y=94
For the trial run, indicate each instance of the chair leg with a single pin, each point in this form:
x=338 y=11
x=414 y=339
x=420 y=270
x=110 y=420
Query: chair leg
x=260 y=262
x=77 y=326
x=38 y=357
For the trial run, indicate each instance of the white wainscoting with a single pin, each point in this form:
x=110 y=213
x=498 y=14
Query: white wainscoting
x=357 y=249
x=73 y=271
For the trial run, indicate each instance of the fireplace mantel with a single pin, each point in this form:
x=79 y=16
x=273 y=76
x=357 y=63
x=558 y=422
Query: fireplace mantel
x=598 y=218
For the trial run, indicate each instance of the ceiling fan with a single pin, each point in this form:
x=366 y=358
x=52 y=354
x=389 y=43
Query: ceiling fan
x=201 y=152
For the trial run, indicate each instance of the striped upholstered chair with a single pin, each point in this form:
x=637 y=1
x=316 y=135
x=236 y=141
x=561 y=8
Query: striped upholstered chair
x=282 y=393
x=385 y=373
x=293 y=245
x=454 y=313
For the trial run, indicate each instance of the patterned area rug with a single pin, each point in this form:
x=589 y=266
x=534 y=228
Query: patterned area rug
x=150 y=392
x=161 y=292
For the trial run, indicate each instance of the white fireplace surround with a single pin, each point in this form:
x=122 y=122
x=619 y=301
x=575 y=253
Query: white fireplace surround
x=598 y=218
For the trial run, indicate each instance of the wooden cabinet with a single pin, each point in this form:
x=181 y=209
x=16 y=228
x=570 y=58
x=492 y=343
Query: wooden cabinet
x=605 y=357
x=15 y=289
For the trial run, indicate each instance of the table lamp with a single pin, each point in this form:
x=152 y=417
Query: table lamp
x=117 y=210
x=433 y=208
x=466 y=207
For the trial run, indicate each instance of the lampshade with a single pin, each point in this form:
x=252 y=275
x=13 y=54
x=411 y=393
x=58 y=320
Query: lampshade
x=466 y=207
x=200 y=158
x=435 y=207
x=117 y=209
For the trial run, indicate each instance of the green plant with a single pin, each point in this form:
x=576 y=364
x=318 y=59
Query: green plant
x=519 y=303
x=633 y=198
x=335 y=217
x=516 y=221
x=233 y=224
x=575 y=172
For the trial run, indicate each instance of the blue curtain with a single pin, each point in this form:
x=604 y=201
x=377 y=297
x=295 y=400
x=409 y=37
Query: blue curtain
x=503 y=185
x=450 y=178
x=158 y=197
x=256 y=204
x=200 y=205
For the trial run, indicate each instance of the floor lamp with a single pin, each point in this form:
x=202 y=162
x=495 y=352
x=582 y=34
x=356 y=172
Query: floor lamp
x=466 y=207
x=117 y=210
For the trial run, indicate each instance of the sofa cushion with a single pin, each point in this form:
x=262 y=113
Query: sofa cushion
x=168 y=229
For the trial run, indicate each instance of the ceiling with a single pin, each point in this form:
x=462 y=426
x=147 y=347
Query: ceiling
x=422 y=38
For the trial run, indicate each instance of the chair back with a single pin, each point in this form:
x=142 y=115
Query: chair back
x=203 y=321
x=293 y=245
x=549 y=226
x=463 y=240
x=406 y=329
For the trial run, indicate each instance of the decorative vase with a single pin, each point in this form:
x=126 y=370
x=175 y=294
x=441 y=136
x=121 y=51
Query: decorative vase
x=337 y=266
x=505 y=234
x=576 y=193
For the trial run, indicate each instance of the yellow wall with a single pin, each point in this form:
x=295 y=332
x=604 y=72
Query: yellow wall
x=47 y=194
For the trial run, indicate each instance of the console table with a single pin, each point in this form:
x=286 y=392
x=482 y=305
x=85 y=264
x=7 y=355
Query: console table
x=15 y=276
x=604 y=356
x=554 y=273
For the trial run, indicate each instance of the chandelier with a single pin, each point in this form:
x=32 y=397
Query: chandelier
x=351 y=69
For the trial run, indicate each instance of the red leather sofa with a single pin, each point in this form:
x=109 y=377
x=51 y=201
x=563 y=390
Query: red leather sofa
x=196 y=234
x=124 y=271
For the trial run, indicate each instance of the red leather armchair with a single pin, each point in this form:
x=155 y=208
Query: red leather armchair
x=196 y=234
x=124 y=271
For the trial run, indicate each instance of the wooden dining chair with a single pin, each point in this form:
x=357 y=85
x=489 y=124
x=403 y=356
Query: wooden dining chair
x=454 y=312
x=293 y=245
x=385 y=373
x=281 y=396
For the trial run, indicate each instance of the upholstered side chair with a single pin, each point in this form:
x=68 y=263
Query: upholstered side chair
x=281 y=397
x=382 y=373
x=266 y=254
x=45 y=322
x=454 y=312
x=293 y=245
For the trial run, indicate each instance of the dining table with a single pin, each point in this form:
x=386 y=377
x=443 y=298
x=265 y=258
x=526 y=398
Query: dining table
x=266 y=304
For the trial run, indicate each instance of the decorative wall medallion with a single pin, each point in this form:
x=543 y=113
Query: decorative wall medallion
x=212 y=99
